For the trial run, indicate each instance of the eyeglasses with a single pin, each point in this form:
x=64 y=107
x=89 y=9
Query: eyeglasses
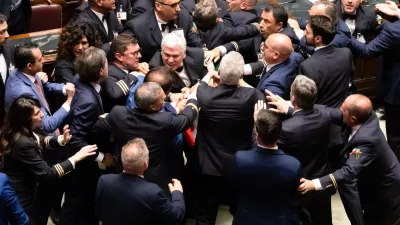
x=173 y=5
x=134 y=54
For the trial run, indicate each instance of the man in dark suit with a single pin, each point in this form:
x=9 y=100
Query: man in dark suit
x=360 y=19
x=86 y=107
x=258 y=201
x=225 y=126
x=187 y=62
x=387 y=43
x=124 y=55
x=306 y=137
x=18 y=12
x=243 y=11
x=333 y=81
x=282 y=65
x=367 y=157
x=189 y=6
x=164 y=18
x=146 y=121
x=101 y=15
x=127 y=198
x=6 y=62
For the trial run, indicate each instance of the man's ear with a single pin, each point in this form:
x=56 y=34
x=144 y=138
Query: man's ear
x=243 y=5
x=118 y=56
x=280 y=25
x=157 y=6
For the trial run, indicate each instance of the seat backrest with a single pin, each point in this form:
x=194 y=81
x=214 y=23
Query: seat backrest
x=45 y=17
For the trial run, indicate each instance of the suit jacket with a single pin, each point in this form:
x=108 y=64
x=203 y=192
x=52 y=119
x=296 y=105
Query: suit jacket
x=114 y=26
x=305 y=135
x=193 y=64
x=18 y=84
x=332 y=81
x=259 y=202
x=64 y=71
x=116 y=87
x=365 y=21
x=5 y=8
x=157 y=129
x=147 y=31
x=386 y=43
x=189 y=6
x=280 y=77
x=129 y=199
x=8 y=53
x=140 y=6
x=243 y=17
x=10 y=208
x=225 y=124
x=370 y=159
x=26 y=168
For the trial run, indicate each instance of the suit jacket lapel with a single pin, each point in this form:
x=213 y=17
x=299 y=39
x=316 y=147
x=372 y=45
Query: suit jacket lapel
x=98 y=22
x=99 y=101
x=33 y=86
x=268 y=73
x=190 y=68
x=154 y=29
x=360 y=21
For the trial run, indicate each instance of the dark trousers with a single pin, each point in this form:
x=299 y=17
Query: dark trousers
x=392 y=117
x=210 y=192
x=47 y=191
x=79 y=204
x=16 y=22
x=317 y=209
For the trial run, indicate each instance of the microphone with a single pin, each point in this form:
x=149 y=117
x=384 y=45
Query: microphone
x=287 y=2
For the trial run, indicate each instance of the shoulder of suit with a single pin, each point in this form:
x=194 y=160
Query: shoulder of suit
x=114 y=71
x=118 y=111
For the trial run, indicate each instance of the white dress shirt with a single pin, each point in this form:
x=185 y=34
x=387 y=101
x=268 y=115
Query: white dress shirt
x=3 y=68
x=101 y=16
x=351 y=24
x=185 y=78
x=97 y=87
x=160 y=22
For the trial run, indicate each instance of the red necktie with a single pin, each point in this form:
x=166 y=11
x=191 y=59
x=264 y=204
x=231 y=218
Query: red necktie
x=41 y=94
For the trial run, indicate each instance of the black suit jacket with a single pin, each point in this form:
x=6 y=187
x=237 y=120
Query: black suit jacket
x=332 y=80
x=64 y=71
x=156 y=128
x=193 y=64
x=370 y=177
x=225 y=124
x=5 y=8
x=115 y=88
x=8 y=53
x=129 y=199
x=124 y=4
x=306 y=137
x=114 y=26
x=26 y=168
x=147 y=31
x=141 y=6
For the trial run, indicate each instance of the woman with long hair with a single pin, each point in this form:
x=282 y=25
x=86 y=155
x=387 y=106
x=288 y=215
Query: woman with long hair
x=75 y=38
x=22 y=148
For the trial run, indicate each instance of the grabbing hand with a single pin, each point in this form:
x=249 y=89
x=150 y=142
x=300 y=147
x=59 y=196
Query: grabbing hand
x=86 y=151
x=43 y=77
x=212 y=55
x=67 y=134
x=69 y=90
x=143 y=67
x=175 y=97
x=280 y=104
x=193 y=90
x=257 y=107
x=294 y=24
x=108 y=160
x=214 y=78
x=185 y=91
x=306 y=186
x=175 y=186
x=180 y=105
x=389 y=8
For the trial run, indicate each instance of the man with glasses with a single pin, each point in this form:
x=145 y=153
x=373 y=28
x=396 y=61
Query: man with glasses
x=281 y=67
x=166 y=17
x=125 y=54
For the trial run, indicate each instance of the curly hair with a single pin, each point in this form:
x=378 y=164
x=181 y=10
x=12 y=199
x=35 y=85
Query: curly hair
x=72 y=35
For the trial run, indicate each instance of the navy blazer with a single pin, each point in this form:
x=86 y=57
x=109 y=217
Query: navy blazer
x=370 y=176
x=64 y=71
x=129 y=199
x=266 y=182
x=10 y=210
x=388 y=44
x=19 y=84
x=280 y=77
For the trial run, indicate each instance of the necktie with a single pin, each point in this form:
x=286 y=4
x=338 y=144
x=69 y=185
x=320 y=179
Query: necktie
x=41 y=94
x=347 y=16
x=179 y=69
x=163 y=27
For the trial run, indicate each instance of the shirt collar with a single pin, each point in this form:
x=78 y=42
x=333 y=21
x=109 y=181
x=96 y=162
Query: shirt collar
x=160 y=21
x=31 y=78
x=97 y=87
x=296 y=111
x=100 y=15
x=261 y=146
x=270 y=65
x=320 y=47
x=355 y=129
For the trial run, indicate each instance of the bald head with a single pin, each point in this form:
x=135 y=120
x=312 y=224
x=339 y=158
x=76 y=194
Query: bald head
x=324 y=8
x=277 y=48
x=149 y=97
x=358 y=107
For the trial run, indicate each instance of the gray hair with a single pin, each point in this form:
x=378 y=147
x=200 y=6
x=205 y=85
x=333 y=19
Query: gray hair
x=206 y=12
x=172 y=40
x=305 y=92
x=89 y=63
x=231 y=68
x=147 y=95
x=134 y=155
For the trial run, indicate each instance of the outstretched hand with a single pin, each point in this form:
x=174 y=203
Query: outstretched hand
x=281 y=106
x=257 y=107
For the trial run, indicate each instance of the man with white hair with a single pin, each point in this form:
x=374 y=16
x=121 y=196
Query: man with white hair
x=186 y=62
x=127 y=198
x=225 y=126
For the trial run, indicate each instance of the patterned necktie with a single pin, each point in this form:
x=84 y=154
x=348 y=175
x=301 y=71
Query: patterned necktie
x=41 y=94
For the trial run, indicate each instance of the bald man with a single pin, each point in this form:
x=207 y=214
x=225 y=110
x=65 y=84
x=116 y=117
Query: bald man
x=281 y=67
x=369 y=179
